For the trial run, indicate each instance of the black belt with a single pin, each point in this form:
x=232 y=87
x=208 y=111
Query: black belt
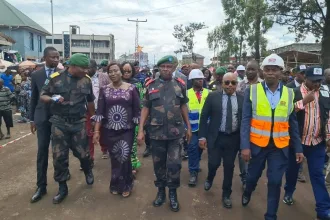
x=227 y=134
x=68 y=119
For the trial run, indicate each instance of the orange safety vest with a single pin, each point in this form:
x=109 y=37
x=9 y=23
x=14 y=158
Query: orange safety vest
x=262 y=126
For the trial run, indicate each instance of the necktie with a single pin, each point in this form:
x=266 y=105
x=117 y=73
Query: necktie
x=50 y=71
x=229 y=117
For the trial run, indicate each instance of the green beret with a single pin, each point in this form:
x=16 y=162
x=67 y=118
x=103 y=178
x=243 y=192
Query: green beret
x=221 y=70
x=104 y=63
x=168 y=59
x=79 y=59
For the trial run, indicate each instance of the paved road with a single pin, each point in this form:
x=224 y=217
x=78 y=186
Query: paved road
x=18 y=176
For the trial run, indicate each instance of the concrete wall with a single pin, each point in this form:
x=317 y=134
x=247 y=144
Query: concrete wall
x=22 y=45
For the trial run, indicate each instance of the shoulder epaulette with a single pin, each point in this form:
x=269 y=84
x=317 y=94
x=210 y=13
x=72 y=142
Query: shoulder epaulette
x=54 y=75
x=180 y=81
x=149 y=82
x=88 y=76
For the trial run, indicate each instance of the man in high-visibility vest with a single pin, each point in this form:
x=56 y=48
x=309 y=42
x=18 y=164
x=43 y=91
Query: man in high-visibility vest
x=268 y=123
x=197 y=96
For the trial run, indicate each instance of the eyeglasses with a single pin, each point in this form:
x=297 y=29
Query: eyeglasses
x=233 y=82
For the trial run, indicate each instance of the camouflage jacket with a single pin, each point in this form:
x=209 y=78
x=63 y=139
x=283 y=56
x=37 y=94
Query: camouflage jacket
x=75 y=91
x=164 y=100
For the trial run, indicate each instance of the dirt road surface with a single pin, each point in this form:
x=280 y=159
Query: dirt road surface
x=18 y=178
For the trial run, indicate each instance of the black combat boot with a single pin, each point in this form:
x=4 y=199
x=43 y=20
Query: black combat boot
x=193 y=179
x=62 y=193
x=89 y=176
x=160 y=198
x=147 y=151
x=174 y=204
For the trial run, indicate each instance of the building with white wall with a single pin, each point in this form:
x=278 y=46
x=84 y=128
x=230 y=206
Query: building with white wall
x=98 y=47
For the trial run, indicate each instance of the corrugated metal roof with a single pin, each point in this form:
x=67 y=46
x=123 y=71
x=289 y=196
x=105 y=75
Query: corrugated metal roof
x=11 y=16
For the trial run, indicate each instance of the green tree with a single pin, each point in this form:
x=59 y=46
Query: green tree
x=224 y=38
x=185 y=35
x=306 y=17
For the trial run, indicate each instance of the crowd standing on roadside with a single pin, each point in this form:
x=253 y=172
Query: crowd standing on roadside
x=258 y=113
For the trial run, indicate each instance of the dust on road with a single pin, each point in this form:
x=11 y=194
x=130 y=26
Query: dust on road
x=18 y=177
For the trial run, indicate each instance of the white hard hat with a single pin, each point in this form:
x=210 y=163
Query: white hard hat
x=240 y=68
x=196 y=74
x=273 y=60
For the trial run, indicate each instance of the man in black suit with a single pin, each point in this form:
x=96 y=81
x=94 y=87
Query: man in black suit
x=299 y=72
x=40 y=115
x=223 y=109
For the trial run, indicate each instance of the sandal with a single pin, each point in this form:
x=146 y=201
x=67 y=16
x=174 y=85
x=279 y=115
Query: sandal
x=126 y=194
x=8 y=136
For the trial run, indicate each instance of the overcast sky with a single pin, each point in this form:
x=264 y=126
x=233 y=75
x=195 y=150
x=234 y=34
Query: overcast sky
x=110 y=16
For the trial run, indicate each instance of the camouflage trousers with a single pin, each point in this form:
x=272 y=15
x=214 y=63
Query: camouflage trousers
x=67 y=136
x=166 y=155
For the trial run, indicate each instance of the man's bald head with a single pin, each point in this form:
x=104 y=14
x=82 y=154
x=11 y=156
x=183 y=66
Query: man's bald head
x=229 y=76
x=229 y=83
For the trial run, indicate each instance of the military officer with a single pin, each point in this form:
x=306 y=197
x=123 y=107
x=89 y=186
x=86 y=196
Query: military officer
x=69 y=93
x=166 y=104
x=216 y=84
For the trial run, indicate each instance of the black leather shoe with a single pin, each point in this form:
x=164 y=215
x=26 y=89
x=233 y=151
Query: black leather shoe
x=246 y=199
x=193 y=179
x=174 y=204
x=160 y=198
x=226 y=201
x=62 y=193
x=40 y=192
x=89 y=177
x=324 y=217
x=288 y=200
x=208 y=185
x=147 y=152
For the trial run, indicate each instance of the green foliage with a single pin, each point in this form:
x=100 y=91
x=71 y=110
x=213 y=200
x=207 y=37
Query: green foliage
x=302 y=17
x=185 y=35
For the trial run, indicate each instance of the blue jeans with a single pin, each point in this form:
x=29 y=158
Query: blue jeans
x=194 y=153
x=315 y=156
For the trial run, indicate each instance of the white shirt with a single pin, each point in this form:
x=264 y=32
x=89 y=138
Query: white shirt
x=96 y=87
x=296 y=83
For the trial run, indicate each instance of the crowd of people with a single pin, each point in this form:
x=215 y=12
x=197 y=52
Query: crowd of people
x=255 y=113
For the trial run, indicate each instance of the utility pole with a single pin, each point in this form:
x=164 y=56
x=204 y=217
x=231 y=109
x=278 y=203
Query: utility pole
x=136 y=35
x=51 y=4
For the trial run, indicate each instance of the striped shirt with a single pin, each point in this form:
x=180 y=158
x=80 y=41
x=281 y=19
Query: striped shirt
x=5 y=98
x=234 y=106
x=312 y=126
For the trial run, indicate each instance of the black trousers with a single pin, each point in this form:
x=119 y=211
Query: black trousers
x=225 y=148
x=43 y=134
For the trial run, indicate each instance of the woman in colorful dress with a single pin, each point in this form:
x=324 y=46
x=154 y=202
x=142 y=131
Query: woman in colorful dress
x=25 y=97
x=128 y=74
x=117 y=116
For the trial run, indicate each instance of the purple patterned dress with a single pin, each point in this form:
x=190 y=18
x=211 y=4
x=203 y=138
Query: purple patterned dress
x=119 y=112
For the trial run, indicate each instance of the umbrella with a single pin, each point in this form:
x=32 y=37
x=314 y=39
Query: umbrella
x=4 y=64
x=27 y=64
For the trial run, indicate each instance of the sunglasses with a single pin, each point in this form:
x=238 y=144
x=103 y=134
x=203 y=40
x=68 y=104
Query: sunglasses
x=234 y=83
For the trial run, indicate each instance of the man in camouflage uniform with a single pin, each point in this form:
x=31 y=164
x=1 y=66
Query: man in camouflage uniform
x=216 y=84
x=166 y=104
x=69 y=92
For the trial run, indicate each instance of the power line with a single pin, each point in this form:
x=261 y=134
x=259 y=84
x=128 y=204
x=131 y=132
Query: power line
x=125 y=15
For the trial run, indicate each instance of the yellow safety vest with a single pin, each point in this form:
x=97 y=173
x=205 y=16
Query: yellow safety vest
x=195 y=107
x=262 y=126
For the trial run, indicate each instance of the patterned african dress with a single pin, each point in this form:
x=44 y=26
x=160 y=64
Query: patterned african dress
x=135 y=160
x=24 y=99
x=119 y=111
